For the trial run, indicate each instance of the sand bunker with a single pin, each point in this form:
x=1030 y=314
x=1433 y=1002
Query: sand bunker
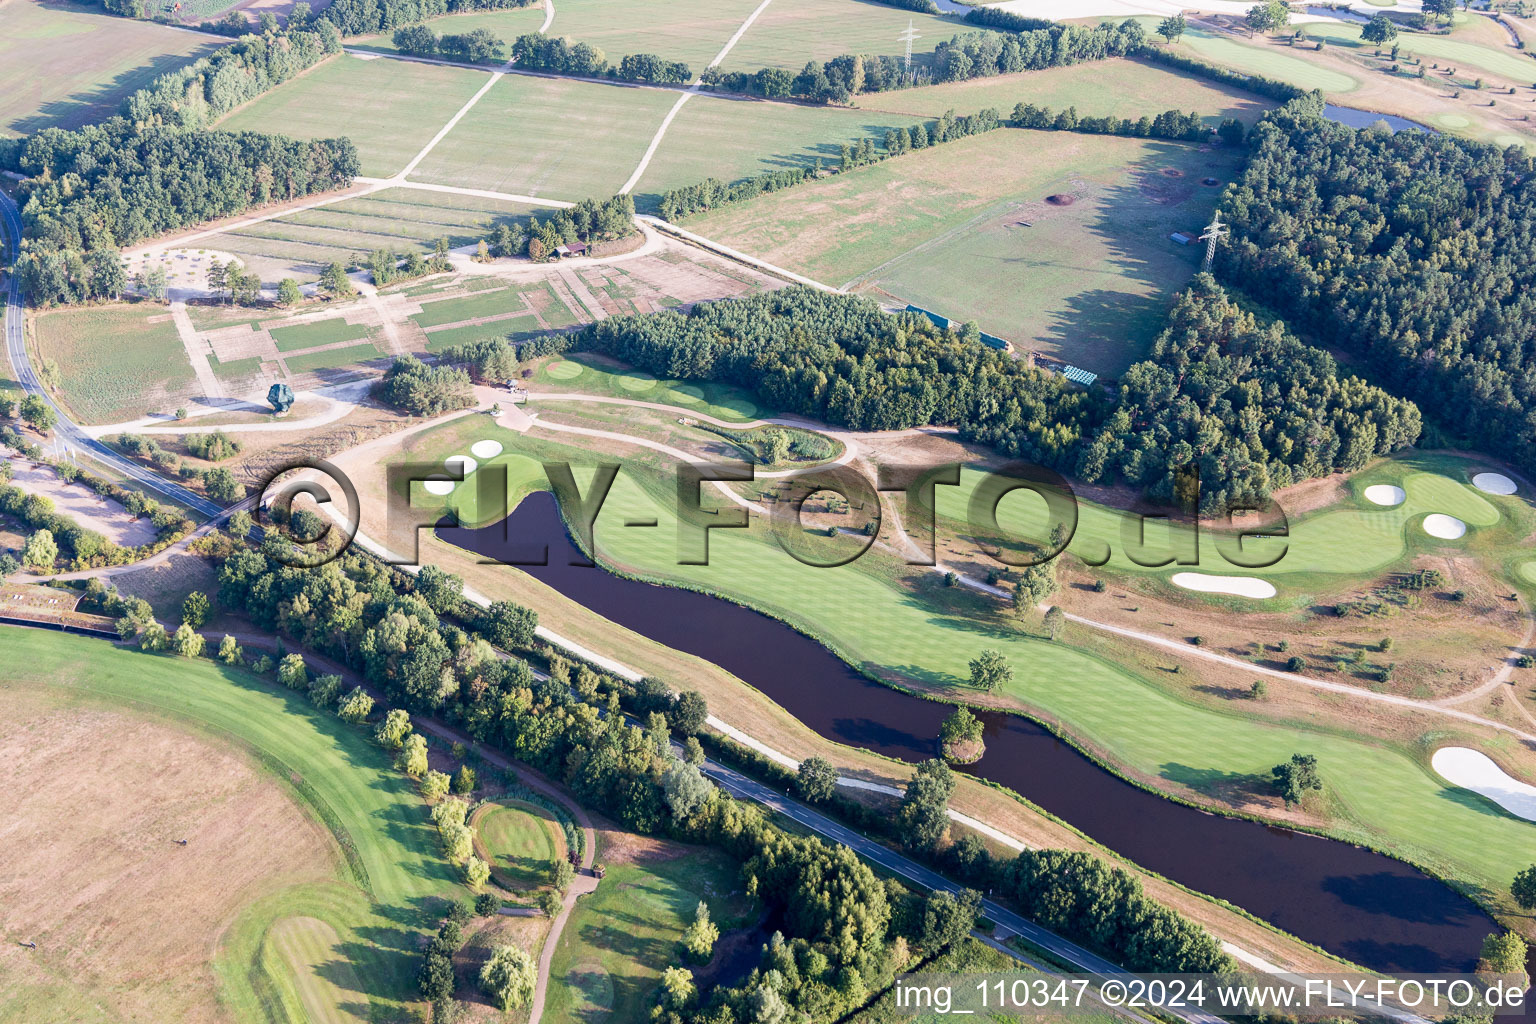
x=485 y=449
x=1385 y=494
x=1493 y=483
x=438 y=487
x=1240 y=586
x=456 y=463
x=1475 y=770
x=1438 y=524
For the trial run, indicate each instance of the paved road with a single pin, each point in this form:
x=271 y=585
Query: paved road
x=67 y=429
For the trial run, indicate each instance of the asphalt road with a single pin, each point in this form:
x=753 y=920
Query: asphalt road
x=65 y=428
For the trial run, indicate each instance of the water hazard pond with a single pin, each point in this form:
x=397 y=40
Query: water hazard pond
x=1365 y=906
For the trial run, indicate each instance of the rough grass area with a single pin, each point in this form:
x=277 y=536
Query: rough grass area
x=342 y=360
x=321 y=332
x=192 y=750
x=64 y=65
x=963 y=229
x=791 y=32
x=619 y=939
x=1106 y=88
x=389 y=108
x=115 y=362
x=549 y=137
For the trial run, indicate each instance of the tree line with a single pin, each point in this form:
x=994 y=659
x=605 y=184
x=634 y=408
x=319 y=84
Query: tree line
x=1411 y=252
x=532 y=50
x=366 y=17
x=1170 y=124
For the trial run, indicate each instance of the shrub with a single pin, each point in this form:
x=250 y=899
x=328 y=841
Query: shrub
x=355 y=707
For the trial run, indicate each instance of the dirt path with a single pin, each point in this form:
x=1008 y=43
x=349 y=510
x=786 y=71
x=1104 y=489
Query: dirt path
x=197 y=352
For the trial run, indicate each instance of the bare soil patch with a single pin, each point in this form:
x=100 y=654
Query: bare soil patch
x=83 y=505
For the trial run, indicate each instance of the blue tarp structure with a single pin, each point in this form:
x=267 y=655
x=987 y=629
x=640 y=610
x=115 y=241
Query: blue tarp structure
x=1077 y=375
x=945 y=323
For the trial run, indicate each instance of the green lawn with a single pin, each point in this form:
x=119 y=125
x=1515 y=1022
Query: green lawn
x=1265 y=57
x=470 y=307
x=65 y=65
x=333 y=359
x=1106 y=88
x=114 y=363
x=963 y=229
x=322 y=332
x=387 y=889
x=732 y=139
x=523 y=841
x=389 y=108
x=595 y=375
x=549 y=137
x=619 y=939
x=1509 y=63
x=883 y=618
x=791 y=32
x=516 y=328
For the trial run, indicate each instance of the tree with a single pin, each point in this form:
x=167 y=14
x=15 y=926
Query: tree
x=412 y=759
x=288 y=293
x=292 y=673
x=230 y=652
x=775 y=448
x=510 y=626
x=688 y=713
x=948 y=918
x=923 y=816
x=1504 y=953
x=434 y=785
x=550 y=902
x=1035 y=584
x=1523 y=888
x=392 y=732
x=1380 y=29
x=1055 y=619
x=1172 y=29
x=41 y=550
x=464 y=780
x=1297 y=777
x=685 y=789
x=699 y=937
x=334 y=280
x=508 y=977
x=1258 y=690
x=221 y=485
x=677 y=984
x=355 y=707
x=188 y=642
x=476 y=872
x=960 y=736
x=152 y=637
x=1443 y=10
x=564 y=874
x=153 y=281
x=816 y=779
x=37 y=413
x=990 y=670
x=1268 y=16
x=194 y=610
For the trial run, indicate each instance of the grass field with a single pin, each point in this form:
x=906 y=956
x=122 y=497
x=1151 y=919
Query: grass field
x=115 y=362
x=1265 y=57
x=339 y=359
x=300 y=244
x=791 y=32
x=390 y=109
x=64 y=65
x=880 y=618
x=572 y=139
x=731 y=139
x=619 y=939
x=963 y=229
x=1106 y=88
x=1462 y=53
x=322 y=332
x=596 y=375
x=523 y=841
x=469 y=307
x=516 y=328
x=277 y=958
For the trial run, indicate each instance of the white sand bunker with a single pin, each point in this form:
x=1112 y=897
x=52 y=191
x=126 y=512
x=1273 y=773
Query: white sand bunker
x=455 y=463
x=438 y=487
x=1475 y=770
x=1241 y=586
x=485 y=449
x=1438 y=524
x=1493 y=483
x=1385 y=494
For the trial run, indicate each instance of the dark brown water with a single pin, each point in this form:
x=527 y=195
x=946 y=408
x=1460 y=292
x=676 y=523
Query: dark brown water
x=1365 y=906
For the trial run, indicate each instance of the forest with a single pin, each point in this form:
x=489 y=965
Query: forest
x=1414 y=253
x=1252 y=405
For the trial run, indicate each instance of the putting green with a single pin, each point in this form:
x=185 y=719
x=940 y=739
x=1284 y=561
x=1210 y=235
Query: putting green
x=636 y=380
x=685 y=393
x=739 y=406
x=1527 y=571
x=565 y=370
x=476 y=508
x=521 y=840
x=1452 y=120
x=1510 y=140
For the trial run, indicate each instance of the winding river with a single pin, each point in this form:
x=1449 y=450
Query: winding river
x=1370 y=908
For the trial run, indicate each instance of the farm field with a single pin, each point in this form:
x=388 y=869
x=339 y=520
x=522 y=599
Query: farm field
x=281 y=898
x=573 y=139
x=65 y=65
x=115 y=362
x=1111 y=88
x=733 y=139
x=619 y=939
x=963 y=229
x=791 y=32
x=877 y=618
x=300 y=244
x=389 y=108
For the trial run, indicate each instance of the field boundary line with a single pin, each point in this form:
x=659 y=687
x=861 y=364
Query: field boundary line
x=452 y=121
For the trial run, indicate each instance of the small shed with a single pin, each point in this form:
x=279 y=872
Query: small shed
x=1182 y=238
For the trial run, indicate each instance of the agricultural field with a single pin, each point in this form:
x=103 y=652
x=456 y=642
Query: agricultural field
x=965 y=229
x=201 y=750
x=619 y=939
x=791 y=32
x=573 y=139
x=114 y=362
x=64 y=65
x=733 y=139
x=1115 y=88
x=389 y=108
